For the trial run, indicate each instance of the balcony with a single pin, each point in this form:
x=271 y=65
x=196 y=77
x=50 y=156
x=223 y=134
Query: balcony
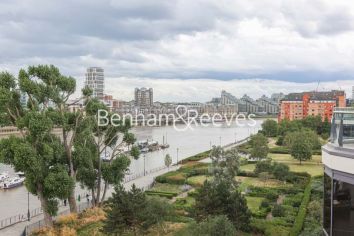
x=338 y=154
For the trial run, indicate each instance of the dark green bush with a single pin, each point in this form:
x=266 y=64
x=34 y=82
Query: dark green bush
x=278 y=211
x=299 y=221
x=279 y=150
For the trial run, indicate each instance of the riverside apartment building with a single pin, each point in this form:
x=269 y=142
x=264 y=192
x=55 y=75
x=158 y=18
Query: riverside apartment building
x=296 y=106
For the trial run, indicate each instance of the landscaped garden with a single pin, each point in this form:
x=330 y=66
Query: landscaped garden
x=276 y=194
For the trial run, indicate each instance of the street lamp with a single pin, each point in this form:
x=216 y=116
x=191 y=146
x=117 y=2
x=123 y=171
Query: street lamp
x=144 y=165
x=220 y=140
x=177 y=155
x=235 y=138
x=28 y=212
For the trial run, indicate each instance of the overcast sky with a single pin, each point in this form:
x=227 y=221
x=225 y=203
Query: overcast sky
x=186 y=49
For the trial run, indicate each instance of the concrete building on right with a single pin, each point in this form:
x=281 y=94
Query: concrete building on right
x=338 y=160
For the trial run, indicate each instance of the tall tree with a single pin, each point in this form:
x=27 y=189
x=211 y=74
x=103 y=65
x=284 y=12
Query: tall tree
x=259 y=146
x=270 y=128
x=133 y=211
x=104 y=141
x=37 y=153
x=300 y=148
x=168 y=160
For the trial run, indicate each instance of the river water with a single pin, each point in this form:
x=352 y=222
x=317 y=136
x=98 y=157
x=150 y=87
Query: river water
x=189 y=142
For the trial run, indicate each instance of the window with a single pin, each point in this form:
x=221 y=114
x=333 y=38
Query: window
x=343 y=208
x=327 y=203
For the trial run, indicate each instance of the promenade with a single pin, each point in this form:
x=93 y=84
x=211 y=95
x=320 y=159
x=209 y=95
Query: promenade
x=141 y=182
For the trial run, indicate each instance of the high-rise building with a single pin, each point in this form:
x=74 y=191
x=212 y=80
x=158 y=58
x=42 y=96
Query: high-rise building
x=296 y=106
x=338 y=160
x=95 y=81
x=144 y=97
x=353 y=93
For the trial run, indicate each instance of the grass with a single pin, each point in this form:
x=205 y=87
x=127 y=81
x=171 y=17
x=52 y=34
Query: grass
x=253 y=203
x=248 y=167
x=198 y=180
x=314 y=166
x=256 y=182
x=165 y=187
x=91 y=229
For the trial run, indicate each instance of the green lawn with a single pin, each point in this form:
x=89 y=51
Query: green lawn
x=314 y=166
x=252 y=181
x=248 y=167
x=171 y=188
x=253 y=203
x=197 y=180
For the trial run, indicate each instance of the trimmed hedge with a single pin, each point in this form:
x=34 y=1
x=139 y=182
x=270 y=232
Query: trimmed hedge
x=300 y=218
x=196 y=157
x=161 y=194
x=279 y=150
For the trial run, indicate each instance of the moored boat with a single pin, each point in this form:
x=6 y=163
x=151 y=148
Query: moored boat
x=13 y=182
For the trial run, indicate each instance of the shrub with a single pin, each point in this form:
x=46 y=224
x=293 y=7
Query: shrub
x=67 y=231
x=218 y=225
x=299 y=221
x=263 y=166
x=279 y=150
x=280 y=140
x=278 y=211
x=280 y=171
x=68 y=220
x=161 y=194
x=272 y=196
x=264 y=204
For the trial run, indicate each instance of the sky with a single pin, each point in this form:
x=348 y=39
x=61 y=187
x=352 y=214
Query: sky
x=186 y=50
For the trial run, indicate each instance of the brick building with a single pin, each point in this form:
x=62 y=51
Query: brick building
x=296 y=106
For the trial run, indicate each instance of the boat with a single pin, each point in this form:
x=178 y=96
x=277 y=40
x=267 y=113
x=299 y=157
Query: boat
x=13 y=182
x=144 y=150
x=164 y=144
x=20 y=174
x=4 y=176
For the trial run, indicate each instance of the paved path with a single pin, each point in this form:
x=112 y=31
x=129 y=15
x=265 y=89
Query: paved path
x=141 y=182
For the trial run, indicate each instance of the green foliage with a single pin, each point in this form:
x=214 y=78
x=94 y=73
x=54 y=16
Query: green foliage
x=279 y=150
x=212 y=226
x=168 y=160
x=263 y=166
x=299 y=221
x=135 y=152
x=259 y=145
x=270 y=128
x=300 y=146
x=280 y=171
x=133 y=211
x=220 y=197
x=278 y=211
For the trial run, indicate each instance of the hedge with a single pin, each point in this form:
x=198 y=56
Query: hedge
x=300 y=218
x=161 y=194
x=196 y=157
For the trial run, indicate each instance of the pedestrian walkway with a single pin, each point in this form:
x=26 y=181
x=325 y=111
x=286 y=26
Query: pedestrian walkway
x=143 y=182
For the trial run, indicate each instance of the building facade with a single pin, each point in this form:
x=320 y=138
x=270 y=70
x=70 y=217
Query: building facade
x=338 y=160
x=95 y=81
x=267 y=105
x=144 y=97
x=296 y=106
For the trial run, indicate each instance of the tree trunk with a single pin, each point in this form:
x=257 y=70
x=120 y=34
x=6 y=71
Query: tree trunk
x=71 y=198
x=72 y=202
x=44 y=204
x=104 y=192
x=99 y=179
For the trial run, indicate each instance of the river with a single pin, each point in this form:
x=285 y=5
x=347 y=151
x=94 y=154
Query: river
x=189 y=142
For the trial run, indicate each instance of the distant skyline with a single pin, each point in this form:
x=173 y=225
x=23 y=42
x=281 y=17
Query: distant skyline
x=225 y=40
